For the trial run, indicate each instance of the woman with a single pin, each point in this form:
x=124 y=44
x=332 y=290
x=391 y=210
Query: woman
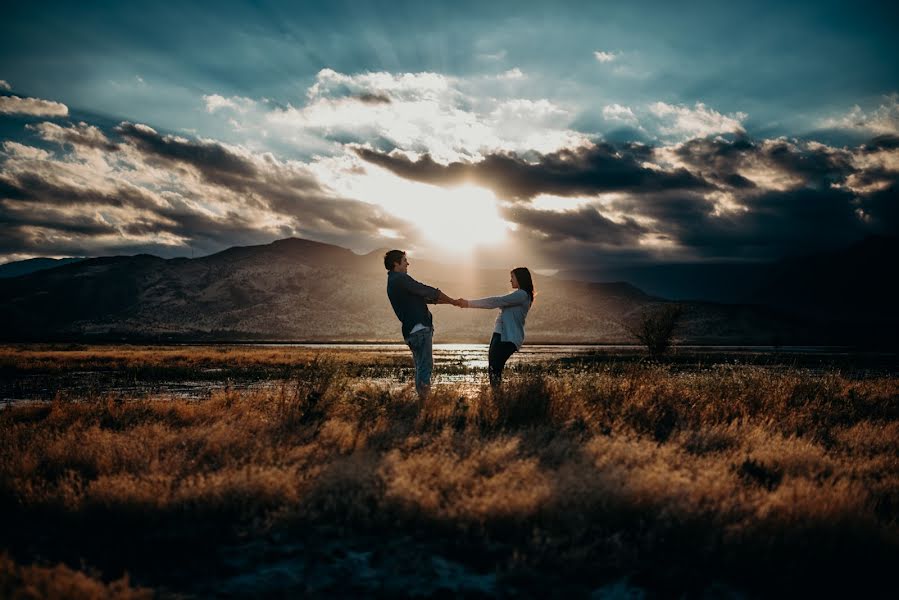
x=508 y=334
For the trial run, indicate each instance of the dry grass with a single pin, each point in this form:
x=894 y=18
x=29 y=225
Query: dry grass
x=35 y=582
x=761 y=479
x=61 y=357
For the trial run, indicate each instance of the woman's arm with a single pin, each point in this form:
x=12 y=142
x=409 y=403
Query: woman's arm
x=513 y=299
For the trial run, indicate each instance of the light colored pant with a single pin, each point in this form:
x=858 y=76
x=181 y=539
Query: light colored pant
x=422 y=345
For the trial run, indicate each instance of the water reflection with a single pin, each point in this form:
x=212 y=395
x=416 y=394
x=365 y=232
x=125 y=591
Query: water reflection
x=473 y=356
x=458 y=364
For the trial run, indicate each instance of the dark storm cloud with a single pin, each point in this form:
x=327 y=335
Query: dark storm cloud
x=59 y=233
x=585 y=224
x=873 y=178
x=80 y=135
x=205 y=231
x=721 y=198
x=882 y=207
x=776 y=223
x=264 y=183
x=720 y=160
x=568 y=172
x=735 y=180
x=57 y=203
x=36 y=188
x=16 y=221
x=214 y=161
x=882 y=142
x=42 y=216
x=839 y=195
x=27 y=230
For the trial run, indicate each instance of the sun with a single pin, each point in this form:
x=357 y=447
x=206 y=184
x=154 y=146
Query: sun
x=462 y=218
x=456 y=219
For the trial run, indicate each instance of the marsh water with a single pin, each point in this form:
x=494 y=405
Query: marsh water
x=457 y=364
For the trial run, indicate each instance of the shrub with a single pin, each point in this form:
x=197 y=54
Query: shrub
x=654 y=327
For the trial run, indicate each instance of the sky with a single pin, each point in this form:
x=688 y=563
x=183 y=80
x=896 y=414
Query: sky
x=558 y=135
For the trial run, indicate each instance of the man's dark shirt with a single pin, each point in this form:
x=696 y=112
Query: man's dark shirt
x=409 y=300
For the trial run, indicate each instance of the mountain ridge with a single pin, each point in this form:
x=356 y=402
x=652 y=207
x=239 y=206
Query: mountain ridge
x=31 y=265
x=295 y=289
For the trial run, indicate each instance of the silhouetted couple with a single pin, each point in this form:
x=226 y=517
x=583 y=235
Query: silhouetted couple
x=409 y=299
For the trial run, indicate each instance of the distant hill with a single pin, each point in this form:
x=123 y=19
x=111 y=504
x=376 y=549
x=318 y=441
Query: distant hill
x=850 y=292
x=24 y=267
x=868 y=264
x=711 y=282
x=297 y=289
x=855 y=285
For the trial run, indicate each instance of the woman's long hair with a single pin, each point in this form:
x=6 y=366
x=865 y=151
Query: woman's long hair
x=524 y=280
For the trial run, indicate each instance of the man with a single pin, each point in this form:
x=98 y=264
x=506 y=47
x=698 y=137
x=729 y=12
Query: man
x=409 y=300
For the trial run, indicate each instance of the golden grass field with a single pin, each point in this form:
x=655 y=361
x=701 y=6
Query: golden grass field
x=720 y=480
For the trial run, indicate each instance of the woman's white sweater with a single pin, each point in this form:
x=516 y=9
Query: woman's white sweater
x=514 y=310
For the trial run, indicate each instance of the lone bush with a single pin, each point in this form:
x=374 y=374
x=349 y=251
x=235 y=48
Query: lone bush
x=655 y=328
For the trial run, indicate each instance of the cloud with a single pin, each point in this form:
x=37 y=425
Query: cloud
x=514 y=73
x=22 y=151
x=584 y=224
x=78 y=135
x=575 y=172
x=215 y=102
x=876 y=169
x=605 y=57
x=773 y=164
x=666 y=122
x=450 y=118
x=699 y=121
x=418 y=112
x=882 y=120
x=149 y=192
x=4 y=85
x=774 y=224
x=787 y=197
x=617 y=112
x=368 y=98
x=32 y=106
x=690 y=193
x=701 y=199
x=216 y=162
x=403 y=86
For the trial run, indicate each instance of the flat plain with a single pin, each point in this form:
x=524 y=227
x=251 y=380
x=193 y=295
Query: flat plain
x=311 y=471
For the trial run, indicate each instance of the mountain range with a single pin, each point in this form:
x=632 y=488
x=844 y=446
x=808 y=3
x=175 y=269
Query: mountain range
x=24 y=267
x=301 y=290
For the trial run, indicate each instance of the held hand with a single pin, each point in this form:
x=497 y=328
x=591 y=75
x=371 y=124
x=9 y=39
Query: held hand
x=462 y=303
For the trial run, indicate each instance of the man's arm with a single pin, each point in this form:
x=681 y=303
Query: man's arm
x=444 y=299
x=416 y=288
x=430 y=294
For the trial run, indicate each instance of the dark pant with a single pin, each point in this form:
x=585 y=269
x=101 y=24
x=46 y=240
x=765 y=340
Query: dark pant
x=497 y=356
x=422 y=345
